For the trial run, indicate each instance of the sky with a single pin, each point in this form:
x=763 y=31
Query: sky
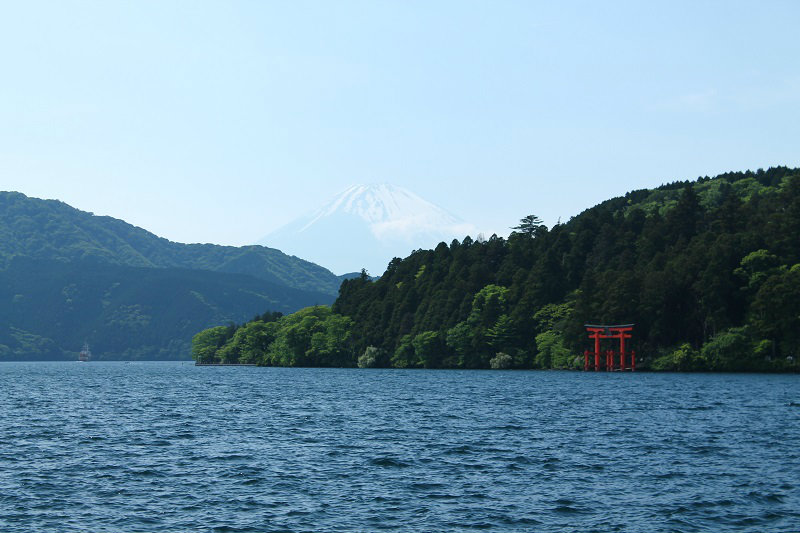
x=220 y=121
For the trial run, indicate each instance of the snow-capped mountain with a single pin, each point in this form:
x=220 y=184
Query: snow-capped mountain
x=366 y=226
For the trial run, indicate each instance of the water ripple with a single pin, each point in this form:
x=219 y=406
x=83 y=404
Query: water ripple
x=173 y=447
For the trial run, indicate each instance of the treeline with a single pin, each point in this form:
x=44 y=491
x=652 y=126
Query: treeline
x=709 y=271
x=314 y=336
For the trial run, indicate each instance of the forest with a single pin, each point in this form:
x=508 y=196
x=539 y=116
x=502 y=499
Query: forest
x=707 y=270
x=69 y=277
x=48 y=309
x=50 y=230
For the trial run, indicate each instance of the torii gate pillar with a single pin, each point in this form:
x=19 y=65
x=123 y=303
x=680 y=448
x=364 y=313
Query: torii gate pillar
x=621 y=332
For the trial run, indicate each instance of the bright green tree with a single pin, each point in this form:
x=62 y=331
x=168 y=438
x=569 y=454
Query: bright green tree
x=206 y=343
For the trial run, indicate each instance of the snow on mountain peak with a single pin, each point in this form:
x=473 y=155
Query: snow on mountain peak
x=364 y=226
x=390 y=211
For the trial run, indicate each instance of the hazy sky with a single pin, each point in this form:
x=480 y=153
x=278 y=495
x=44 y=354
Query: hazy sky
x=218 y=121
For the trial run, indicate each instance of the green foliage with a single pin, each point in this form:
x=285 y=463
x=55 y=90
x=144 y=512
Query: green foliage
x=552 y=352
x=501 y=361
x=52 y=230
x=775 y=311
x=530 y=226
x=732 y=349
x=502 y=333
x=682 y=359
x=688 y=263
x=428 y=349
x=460 y=340
x=67 y=276
x=756 y=267
x=553 y=316
x=250 y=342
x=488 y=305
x=207 y=343
x=405 y=355
x=24 y=343
x=313 y=336
x=371 y=357
x=124 y=312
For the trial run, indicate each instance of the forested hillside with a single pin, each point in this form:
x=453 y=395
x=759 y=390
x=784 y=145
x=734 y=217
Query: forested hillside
x=709 y=271
x=52 y=230
x=48 y=309
x=67 y=277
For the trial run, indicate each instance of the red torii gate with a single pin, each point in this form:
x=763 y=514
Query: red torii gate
x=621 y=332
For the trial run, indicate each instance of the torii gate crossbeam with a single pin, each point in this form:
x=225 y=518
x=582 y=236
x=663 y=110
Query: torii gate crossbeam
x=621 y=332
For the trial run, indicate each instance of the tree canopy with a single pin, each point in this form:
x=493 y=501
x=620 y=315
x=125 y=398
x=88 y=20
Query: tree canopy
x=709 y=271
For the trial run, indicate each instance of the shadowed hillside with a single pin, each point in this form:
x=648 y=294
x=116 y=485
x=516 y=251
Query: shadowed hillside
x=67 y=276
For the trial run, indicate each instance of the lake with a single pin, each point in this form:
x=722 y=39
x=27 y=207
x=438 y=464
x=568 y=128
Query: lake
x=127 y=447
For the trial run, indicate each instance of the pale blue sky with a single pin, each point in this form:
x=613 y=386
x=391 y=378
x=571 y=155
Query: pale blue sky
x=218 y=121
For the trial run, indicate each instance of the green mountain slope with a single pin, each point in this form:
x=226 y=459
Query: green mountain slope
x=709 y=272
x=49 y=308
x=695 y=266
x=52 y=230
x=67 y=276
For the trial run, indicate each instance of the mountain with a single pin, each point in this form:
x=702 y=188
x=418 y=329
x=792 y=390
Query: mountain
x=366 y=226
x=52 y=230
x=67 y=276
x=49 y=308
x=707 y=271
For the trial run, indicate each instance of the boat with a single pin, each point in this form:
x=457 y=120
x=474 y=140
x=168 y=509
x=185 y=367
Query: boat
x=85 y=354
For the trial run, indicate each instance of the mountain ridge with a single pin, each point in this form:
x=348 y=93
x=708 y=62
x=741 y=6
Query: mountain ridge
x=380 y=221
x=51 y=229
x=69 y=276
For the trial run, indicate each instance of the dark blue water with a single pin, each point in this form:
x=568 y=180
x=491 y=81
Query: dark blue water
x=172 y=447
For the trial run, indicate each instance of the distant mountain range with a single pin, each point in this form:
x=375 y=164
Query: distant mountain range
x=366 y=226
x=67 y=276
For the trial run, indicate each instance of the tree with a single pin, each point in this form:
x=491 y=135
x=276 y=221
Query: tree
x=531 y=226
x=459 y=339
x=330 y=342
x=488 y=305
x=502 y=334
x=685 y=262
x=428 y=348
x=206 y=343
x=551 y=351
x=685 y=217
x=732 y=349
x=775 y=312
x=501 y=361
x=756 y=267
x=370 y=358
x=404 y=355
x=683 y=359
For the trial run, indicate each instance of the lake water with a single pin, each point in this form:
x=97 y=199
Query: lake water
x=127 y=447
